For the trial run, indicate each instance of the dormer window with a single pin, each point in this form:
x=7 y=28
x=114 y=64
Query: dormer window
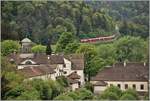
x=28 y=63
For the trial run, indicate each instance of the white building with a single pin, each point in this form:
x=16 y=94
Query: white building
x=123 y=75
x=45 y=66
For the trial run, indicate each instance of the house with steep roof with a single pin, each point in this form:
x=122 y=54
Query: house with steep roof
x=40 y=65
x=123 y=75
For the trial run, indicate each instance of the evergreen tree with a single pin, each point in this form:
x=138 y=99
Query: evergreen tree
x=48 y=48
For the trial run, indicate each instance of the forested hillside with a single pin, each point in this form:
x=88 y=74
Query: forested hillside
x=42 y=20
x=56 y=28
x=132 y=16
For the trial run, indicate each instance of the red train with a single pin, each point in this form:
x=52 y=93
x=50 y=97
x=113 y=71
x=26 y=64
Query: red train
x=92 y=40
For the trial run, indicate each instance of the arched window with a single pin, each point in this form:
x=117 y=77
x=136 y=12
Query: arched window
x=28 y=63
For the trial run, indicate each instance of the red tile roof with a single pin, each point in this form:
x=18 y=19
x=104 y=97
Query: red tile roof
x=73 y=75
x=29 y=72
x=119 y=72
x=77 y=61
x=100 y=83
x=38 y=58
x=72 y=81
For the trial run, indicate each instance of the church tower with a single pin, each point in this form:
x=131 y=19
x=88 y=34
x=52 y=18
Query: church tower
x=26 y=45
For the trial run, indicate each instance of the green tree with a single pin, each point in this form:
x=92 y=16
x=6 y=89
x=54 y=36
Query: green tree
x=130 y=48
x=38 y=49
x=23 y=92
x=84 y=94
x=86 y=25
x=107 y=52
x=62 y=80
x=9 y=46
x=63 y=41
x=127 y=97
x=43 y=88
x=63 y=97
x=56 y=87
x=108 y=96
x=48 y=48
x=89 y=86
x=111 y=93
x=95 y=65
x=89 y=52
x=115 y=90
x=71 y=48
x=9 y=77
x=73 y=95
x=131 y=92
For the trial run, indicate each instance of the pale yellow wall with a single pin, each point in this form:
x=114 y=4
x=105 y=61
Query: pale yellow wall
x=44 y=77
x=122 y=84
x=74 y=86
x=137 y=83
x=99 y=89
x=68 y=67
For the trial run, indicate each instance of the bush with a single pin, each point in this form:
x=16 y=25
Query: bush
x=71 y=48
x=131 y=92
x=84 y=94
x=89 y=86
x=73 y=95
x=127 y=97
x=39 y=49
x=63 y=97
x=109 y=96
x=43 y=88
x=9 y=46
x=115 y=90
x=62 y=80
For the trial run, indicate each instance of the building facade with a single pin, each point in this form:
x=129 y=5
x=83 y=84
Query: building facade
x=124 y=76
x=44 y=66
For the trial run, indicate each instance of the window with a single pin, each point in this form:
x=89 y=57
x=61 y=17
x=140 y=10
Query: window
x=142 y=86
x=118 y=85
x=111 y=84
x=28 y=63
x=26 y=50
x=79 y=83
x=126 y=86
x=64 y=65
x=65 y=72
x=134 y=86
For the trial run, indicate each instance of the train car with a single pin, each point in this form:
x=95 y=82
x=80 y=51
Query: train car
x=92 y=40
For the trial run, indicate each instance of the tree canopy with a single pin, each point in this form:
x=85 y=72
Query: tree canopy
x=38 y=49
x=9 y=46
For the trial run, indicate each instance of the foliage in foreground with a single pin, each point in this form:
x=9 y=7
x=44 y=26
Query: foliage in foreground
x=9 y=46
x=114 y=93
x=38 y=49
x=80 y=94
x=15 y=88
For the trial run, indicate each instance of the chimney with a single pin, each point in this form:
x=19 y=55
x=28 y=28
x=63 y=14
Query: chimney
x=48 y=57
x=124 y=63
x=144 y=63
